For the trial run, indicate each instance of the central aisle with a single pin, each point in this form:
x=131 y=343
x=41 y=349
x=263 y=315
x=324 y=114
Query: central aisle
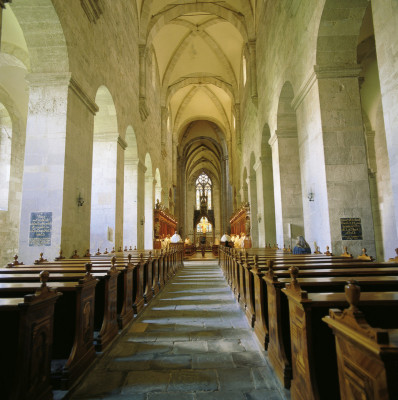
x=192 y=342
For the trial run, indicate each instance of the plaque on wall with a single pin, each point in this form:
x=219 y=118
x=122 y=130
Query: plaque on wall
x=351 y=228
x=40 y=228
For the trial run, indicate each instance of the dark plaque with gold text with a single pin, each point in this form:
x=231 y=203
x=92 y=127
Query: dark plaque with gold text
x=40 y=228
x=351 y=228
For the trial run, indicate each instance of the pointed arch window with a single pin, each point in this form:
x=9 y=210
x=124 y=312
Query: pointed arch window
x=203 y=188
x=204 y=226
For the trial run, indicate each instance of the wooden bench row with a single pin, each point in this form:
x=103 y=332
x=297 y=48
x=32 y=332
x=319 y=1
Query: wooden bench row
x=92 y=302
x=259 y=285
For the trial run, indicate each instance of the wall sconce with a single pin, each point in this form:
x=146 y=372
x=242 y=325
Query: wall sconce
x=259 y=218
x=310 y=195
x=142 y=220
x=80 y=200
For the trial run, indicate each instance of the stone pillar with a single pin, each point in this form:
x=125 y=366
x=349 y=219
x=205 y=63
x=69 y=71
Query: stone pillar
x=44 y=168
x=122 y=145
x=264 y=169
x=260 y=203
x=164 y=117
x=237 y=124
x=144 y=112
x=345 y=155
x=130 y=223
x=385 y=23
x=253 y=70
x=148 y=214
x=78 y=171
x=287 y=187
x=141 y=169
x=252 y=185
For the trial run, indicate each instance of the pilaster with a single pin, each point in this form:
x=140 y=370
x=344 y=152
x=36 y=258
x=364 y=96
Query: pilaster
x=346 y=166
x=44 y=171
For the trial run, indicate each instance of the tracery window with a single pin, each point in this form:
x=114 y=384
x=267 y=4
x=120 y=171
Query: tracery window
x=203 y=188
x=204 y=226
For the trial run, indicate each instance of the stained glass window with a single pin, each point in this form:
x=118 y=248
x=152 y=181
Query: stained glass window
x=204 y=226
x=203 y=188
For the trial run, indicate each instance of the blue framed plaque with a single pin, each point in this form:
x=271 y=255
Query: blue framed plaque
x=351 y=228
x=40 y=229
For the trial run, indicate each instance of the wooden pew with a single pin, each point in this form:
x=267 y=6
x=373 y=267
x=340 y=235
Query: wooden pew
x=312 y=344
x=278 y=316
x=106 y=323
x=27 y=337
x=247 y=279
x=73 y=346
x=130 y=274
x=367 y=357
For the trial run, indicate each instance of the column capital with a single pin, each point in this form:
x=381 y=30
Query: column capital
x=272 y=139
x=285 y=133
x=141 y=167
x=258 y=164
x=122 y=143
x=337 y=71
x=83 y=96
x=281 y=135
x=324 y=72
x=39 y=79
x=142 y=49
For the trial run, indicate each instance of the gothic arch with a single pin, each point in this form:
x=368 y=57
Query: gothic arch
x=154 y=24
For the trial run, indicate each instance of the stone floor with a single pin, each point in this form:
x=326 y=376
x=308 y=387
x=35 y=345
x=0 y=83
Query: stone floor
x=192 y=342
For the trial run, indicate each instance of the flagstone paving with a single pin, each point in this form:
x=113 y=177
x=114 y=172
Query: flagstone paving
x=192 y=342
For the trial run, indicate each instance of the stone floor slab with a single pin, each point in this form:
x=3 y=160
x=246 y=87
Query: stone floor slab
x=235 y=379
x=212 y=360
x=192 y=381
x=192 y=342
x=171 y=396
x=145 y=382
x=263 y=395
x=221 y=396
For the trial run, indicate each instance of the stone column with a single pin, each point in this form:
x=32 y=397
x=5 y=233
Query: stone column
x=149 y=206
x=130 y=223
x=287 y=186
x=144 y=112
x=237 y=124
x=78 y=170
x=385 y=23
x=252 y=185
x=267 y=193
x=260 y=203
x=44 y=167
x=345 y=155
x=253 y=70
x=122 y=145
x=164 y=117
x=141 y=169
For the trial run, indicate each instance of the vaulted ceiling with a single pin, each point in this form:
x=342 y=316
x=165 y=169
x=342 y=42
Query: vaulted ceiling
x=198 y=48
